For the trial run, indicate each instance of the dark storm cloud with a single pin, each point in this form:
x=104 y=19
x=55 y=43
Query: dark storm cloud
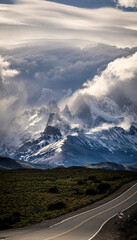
x=59 y=69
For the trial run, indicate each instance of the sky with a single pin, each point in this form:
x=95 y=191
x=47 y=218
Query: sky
x=61 y=49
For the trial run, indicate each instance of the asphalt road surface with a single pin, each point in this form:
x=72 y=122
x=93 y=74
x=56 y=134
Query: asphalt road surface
x=83 y=226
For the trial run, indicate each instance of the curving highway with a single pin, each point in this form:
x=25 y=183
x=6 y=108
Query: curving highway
x=83 y=226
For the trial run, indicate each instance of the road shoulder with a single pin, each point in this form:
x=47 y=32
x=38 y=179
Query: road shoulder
x=116 y=229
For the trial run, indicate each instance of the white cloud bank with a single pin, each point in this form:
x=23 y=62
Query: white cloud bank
x=120 y=75
x=29 y=22
x=112 y=94
x=5 y=71
x=127 y=3
x=12 y=98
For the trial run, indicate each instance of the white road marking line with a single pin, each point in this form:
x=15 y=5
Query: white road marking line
x=93 y=208
x=108 y=220
x=70 y=230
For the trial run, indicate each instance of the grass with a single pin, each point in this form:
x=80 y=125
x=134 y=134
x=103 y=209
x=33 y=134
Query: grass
x=29 y=196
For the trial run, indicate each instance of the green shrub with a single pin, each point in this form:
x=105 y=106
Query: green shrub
x=92 y=178
x=53 y=189
x=91 y=191
x=80 y=182
x=77 y=191
x=9 y=219
x=103 y=187
x=56 y=206
x=97 y=181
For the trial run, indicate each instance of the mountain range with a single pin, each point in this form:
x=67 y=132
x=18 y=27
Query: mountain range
x=77 y=136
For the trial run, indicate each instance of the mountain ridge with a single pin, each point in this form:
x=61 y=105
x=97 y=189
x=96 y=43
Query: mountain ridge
x=73 y=140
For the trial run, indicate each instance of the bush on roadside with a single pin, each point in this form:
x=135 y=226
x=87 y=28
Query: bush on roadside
x=103 y=187
x=53 y=189
x=91 y=191
x=80 y=182
x=56 y=206
x=9 y=219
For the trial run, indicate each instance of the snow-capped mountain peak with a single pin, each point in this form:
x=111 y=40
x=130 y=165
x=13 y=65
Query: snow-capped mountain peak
x=77 y=136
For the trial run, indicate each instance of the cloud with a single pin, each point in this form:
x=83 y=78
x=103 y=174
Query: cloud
x=12 y=98
x=125 y=124
x=32 y=22
x=110 y=95
x=50 y=48
x=4 y=69
x=119 y=76
x=127 y=3
x=52 y=72
x=30 y=77
x=46 y=95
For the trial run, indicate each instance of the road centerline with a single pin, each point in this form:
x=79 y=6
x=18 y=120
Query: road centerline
x=88 y=219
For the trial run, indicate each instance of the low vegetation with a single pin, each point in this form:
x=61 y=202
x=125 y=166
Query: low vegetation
x=29 y=196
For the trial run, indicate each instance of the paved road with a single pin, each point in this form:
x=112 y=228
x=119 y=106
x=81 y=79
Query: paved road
x=83 y=226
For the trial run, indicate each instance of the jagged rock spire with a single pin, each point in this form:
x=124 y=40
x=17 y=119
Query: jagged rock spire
x=66 y=112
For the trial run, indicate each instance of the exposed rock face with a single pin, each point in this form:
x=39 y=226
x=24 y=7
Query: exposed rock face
x=52 y=131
